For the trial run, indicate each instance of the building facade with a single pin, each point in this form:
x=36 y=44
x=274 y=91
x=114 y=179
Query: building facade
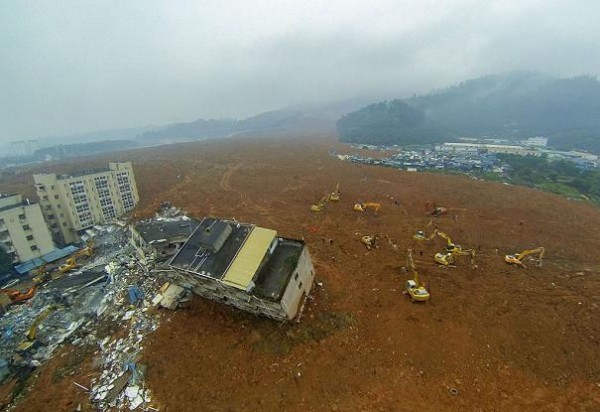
x=246 y=266
x=76 y=202
x=23 y=231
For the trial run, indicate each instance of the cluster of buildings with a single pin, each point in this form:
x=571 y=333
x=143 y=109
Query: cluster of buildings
x=471 y=155
x=239 y=264
x=68 y=205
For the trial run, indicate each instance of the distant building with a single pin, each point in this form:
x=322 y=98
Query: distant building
x=536 y=141
x=73 y=203
x=23 y=231
x=491 y=148
x=246 y=266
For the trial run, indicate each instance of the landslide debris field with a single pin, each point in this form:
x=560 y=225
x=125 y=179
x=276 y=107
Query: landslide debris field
x=492 y=338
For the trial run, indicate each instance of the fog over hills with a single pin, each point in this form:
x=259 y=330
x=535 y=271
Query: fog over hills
x=509 y=106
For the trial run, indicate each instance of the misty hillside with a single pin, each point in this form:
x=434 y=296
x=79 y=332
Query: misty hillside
x=267 y=122
x=513 y=106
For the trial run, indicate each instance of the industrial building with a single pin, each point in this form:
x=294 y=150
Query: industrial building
x=246 y=266
x=72 y=203
x=23 y=231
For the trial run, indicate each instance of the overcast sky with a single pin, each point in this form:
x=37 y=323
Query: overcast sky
x=75 y=66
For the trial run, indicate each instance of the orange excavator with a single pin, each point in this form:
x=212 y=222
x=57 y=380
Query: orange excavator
x=434 y=210
x=17 y=296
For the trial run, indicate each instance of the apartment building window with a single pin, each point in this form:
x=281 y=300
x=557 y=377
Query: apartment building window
x=26 y=227
x=48 y=207
x=109 y=212
x=1 y=221
x=51 y=217
x=34 y=247
x=29 y=237
x=56 y=196
x=22 y=217
x=80 y=198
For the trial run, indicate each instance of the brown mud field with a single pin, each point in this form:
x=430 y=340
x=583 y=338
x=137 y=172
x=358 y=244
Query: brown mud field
x=495 y=337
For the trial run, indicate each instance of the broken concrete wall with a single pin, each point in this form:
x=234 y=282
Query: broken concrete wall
x=299 y=285
x=217 y=291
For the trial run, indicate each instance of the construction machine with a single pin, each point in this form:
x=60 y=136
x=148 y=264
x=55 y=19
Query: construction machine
x=434 y=210
x=452 y=250
x=363 y=207
x=421 y=236
x=17 y=296
x=335 y=195
x=72 y=262
x=371 y=242
x=448 y=258
x=416 y=290
x=518 y=258
x=320 y=205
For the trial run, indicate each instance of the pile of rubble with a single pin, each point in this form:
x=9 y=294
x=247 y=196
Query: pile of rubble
x=115 y=288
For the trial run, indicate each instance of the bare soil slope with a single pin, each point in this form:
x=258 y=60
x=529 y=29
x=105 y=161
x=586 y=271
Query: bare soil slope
x=491 y=338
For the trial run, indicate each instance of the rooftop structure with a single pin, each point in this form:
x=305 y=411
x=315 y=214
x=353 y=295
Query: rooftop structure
x=247 y=266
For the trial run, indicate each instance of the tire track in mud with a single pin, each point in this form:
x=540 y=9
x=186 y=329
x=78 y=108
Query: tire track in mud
x=245 y=200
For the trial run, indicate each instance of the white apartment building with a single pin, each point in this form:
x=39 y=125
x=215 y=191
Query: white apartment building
x=76 y=202
x=23 y=231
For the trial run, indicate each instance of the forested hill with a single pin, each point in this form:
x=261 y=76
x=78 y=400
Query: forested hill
x=512 y=106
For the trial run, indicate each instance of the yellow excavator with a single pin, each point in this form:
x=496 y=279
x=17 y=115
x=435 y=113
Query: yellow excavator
x=452 y=250
x=371 y=242
x=320 y=205
x=421 y=236
x=335 y=195
x=517 y=259
x=363 y=207
x=416 y=290
x=71 y=262
x=33 y=329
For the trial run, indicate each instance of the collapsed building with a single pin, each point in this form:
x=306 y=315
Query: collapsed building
x=246 y=266
x=161 y=237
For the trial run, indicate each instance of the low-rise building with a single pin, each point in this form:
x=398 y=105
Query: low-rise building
x=249 y=267
x=23 y=231
x=73 y=203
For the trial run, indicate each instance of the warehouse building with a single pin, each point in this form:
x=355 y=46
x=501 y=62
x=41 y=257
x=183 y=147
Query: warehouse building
x=76 y=202
x=246 y=266
x=23 y=231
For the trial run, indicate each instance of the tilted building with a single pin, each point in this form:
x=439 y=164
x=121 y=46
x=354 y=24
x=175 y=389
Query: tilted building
x=23 y=231
x=246 y=266
x=76 y=202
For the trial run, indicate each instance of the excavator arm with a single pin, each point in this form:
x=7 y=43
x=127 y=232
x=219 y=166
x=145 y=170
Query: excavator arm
x=517 y=259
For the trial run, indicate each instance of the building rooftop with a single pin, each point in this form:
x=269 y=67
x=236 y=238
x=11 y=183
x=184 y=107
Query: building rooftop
x=277 y=271
x=246 y=259
x=167 y=230
x=196 y=258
